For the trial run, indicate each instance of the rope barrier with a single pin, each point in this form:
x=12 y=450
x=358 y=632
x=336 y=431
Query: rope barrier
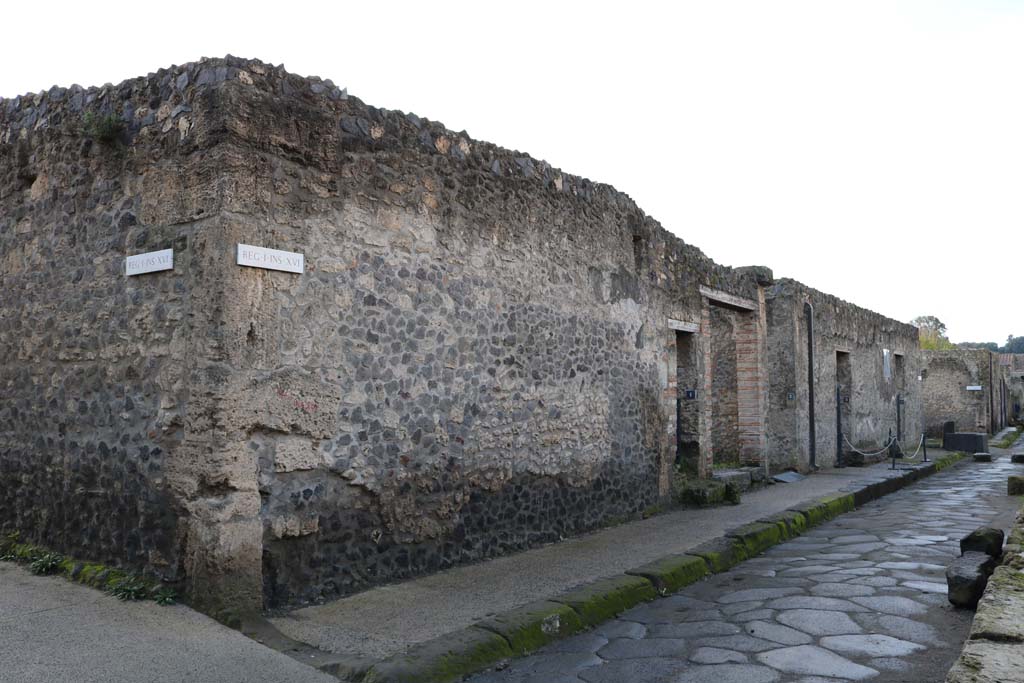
x=855 y=449
x=886 y=447
x=914 y=456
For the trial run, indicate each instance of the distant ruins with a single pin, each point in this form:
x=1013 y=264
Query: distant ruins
x=977 y=390
x=458 y=352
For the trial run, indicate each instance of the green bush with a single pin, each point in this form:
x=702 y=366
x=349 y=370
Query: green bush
x=106 y=128
x=45 y=563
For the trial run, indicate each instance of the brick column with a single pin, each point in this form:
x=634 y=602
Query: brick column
x=751 y=385
x=705 y=464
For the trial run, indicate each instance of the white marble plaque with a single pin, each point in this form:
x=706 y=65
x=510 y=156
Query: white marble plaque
x=974 y=387
x=150 y=262
x=271 y=259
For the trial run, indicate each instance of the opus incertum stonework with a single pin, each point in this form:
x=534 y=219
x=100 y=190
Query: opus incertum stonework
x=448 y=351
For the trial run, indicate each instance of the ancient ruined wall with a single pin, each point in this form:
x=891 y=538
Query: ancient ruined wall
x=1013 y=366
x=946 y=397
x=863 y=335
x=724 y=388
x=477 y=358
x=98 y=372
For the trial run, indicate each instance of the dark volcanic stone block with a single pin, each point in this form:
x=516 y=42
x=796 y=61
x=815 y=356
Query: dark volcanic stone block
x=969 y=442
x=983 y=540
x=966 y=577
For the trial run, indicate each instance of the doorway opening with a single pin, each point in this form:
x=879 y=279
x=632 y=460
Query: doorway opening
x=687 y=404
x=844 y=402
x=812 y=438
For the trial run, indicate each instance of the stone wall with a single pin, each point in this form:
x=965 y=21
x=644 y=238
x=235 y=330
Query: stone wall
x=104 y=426
x=948 y=374
x=868 y=397
x=483 y=353
x=476 y=360
x=1013 y=371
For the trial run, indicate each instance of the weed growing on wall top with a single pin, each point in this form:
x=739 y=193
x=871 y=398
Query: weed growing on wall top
x=104 y=128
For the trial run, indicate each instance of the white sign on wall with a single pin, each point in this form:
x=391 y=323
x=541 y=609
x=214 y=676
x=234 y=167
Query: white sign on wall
x=271 y=259
x=974 y=387
x=149 y=262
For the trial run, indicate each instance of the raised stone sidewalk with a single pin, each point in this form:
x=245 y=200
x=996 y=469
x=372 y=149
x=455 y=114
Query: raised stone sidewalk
x=444 y=626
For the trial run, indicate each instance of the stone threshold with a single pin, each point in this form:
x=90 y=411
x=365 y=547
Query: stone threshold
x=514 y=633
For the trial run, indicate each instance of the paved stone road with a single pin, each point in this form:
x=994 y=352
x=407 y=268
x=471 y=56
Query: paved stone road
x=862 y=597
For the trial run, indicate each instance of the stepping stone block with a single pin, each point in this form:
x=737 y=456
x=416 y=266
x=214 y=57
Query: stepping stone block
x=983 y=540
x=1015 y=485
x=982 y=457
x=1017 y=458
x=966 y=577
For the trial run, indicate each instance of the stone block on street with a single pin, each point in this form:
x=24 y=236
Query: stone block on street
x=966 y=578
x=1015 y=485
x=983 y=540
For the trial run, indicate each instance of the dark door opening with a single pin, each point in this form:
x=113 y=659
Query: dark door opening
x=809 y=316
x=687 y=404
x=844 y=399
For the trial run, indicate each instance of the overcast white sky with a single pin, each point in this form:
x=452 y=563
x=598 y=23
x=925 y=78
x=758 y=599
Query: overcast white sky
x=873 y=150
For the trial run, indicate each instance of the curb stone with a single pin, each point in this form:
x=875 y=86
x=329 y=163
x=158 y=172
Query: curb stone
x=494 y=641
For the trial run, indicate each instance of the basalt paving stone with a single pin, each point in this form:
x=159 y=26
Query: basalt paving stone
x=811 y=602
x=864 y=547
x=755 y=615
x=927 y=586
x=819 y=622
x=544 y=662
x=694 y=629
x=628 y=648
x=808 y=659
x=856 y=539
x=727 y=673
x=873 y=581
x=776 y=633
x=912 y=566
x=714 y=655
x=890 y=664
x=738 y=607
x=621 y=629
x=650 y=670
x=585 y=642
x=870 y=645
x=742 y=643
x=809 y=569
x=900 y=627
x=835 y=556
x=757 y=594
x=841 y=590
x=891 y=604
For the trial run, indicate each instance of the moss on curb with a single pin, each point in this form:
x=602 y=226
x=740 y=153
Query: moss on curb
x=949 y=460
x=1009 y=439
x=601 y=600
x=721 y=553
x=792 y=523
x=448 y=658
x=669 y=574
x=533 y=626
x=757 y=537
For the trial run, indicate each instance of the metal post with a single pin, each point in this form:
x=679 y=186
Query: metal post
x=892 y=450
x=924 y=446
